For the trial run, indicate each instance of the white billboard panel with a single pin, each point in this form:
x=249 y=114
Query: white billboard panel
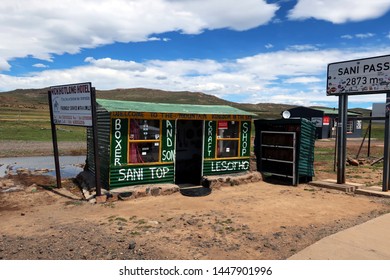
x=72 y=104
x=361 y=76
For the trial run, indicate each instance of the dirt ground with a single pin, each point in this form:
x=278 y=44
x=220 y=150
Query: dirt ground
x=260 y=220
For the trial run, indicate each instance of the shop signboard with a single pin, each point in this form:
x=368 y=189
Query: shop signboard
x=71 y=104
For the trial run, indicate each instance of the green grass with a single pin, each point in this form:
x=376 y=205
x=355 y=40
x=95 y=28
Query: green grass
x=377 y=131
x=32 y=124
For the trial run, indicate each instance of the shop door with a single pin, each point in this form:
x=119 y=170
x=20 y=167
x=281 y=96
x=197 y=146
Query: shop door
x=188 y=165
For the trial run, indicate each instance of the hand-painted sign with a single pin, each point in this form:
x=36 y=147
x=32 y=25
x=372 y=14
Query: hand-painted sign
x=141 y=174
x=214 y=167
x=71 y=104
x=168 y=141
x=119 y=134
x=361 y=76
x=245 y=139
x=210 y=139
x=161 y=116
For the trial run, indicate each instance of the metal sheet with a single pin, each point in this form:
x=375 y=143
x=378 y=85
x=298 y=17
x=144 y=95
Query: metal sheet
x=225 y=166
x=129 y=175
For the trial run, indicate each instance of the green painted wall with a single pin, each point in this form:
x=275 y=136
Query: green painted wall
x=168 y=141
x=141 y=174
x=210 y=131
x=119 y=140
x=225 y=166
x=245 y=139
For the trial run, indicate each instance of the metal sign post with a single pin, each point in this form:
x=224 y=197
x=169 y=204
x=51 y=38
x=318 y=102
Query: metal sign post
x=342 y=138
x=386 y=155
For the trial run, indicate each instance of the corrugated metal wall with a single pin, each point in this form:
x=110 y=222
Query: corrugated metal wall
x=306 y=149
x=304 y=154
x=103 y=131
x=122 y=176
x=219 y=167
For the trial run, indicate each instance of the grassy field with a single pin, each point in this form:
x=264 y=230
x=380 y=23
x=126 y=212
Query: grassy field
x=33 y=124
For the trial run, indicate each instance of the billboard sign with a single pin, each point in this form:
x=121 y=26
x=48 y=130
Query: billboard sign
x=72 y=104
x=361 y=76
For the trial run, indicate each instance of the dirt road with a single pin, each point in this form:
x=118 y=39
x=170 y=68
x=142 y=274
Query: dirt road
x=253 y=221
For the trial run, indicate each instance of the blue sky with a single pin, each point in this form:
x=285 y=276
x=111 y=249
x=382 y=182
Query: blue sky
x=250 y=51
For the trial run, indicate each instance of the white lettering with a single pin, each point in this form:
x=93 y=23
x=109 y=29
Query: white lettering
x=168 y=155
x=219 y=166
x=117 y=124
x=244 y=144
x=210 y=138
x=122 y=172
x=118 y=140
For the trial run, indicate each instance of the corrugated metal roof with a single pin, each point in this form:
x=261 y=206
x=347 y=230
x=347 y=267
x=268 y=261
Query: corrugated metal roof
x=127 y=106
x=330 y=111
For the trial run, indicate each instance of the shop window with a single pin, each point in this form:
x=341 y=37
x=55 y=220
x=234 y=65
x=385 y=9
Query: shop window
x=144 y=140
x=228 y=139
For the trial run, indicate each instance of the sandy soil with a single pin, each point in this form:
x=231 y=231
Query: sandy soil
x=251 y=221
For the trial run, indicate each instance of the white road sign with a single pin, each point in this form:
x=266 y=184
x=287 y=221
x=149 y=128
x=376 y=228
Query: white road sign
x=361 y=76
x=71 y=104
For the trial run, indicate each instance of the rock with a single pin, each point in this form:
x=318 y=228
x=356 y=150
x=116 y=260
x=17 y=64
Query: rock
x=87 y=194
x=132 y=245
x=155 y=191
x=353 y=162
x=13 y=189
x=125 y=195
x=86 y=180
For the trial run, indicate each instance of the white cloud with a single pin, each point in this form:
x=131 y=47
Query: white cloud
x=269 y=46
x=4 y=65
x=115 y=64
x=290 y=77
x=339 y=11
x=302 y=80
x=305 y=47
x=347 y=36
x=158 y=39
x=41 y=29
x=40 y=65
x=359 y=36
x=364 y=35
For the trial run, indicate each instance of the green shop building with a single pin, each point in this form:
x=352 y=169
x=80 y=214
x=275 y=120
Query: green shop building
x=147 y=143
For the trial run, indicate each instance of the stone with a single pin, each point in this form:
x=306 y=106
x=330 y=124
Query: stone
x=86 y=180
x=155 y=191
x=125 y=195
x=101 y=199
x=132 y=245
x=353 y=162
x=87 y=194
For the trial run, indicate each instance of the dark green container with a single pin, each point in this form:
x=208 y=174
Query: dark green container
x=285 y=148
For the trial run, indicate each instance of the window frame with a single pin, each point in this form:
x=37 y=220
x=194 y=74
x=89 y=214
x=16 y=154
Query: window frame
x=135 y=141
x=236 y=139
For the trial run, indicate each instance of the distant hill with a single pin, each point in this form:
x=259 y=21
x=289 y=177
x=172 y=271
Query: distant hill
x=37 y=98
